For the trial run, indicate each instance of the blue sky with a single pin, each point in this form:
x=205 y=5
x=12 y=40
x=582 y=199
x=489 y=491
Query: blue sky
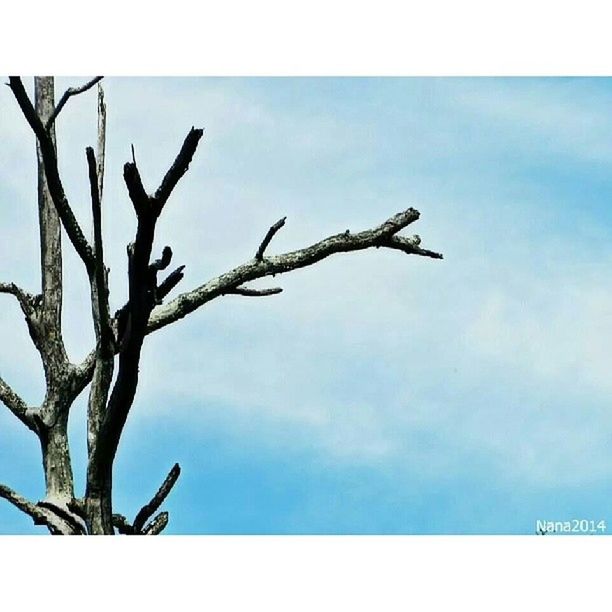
x=379 y=393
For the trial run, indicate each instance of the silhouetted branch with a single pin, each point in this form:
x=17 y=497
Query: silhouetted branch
x=54 y=182
x=122 y=525
x=149 y=509
x=71 y=91
x=101 y=310
x=178 y=168
x=170 y=282
x=136 y=190
x=268 y=237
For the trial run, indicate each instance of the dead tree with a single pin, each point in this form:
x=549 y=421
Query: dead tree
x=120 y=337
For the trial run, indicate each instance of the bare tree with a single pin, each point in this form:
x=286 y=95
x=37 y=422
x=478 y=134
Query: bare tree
x=111 y=368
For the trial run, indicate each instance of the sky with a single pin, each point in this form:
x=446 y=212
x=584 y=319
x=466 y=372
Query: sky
x=380 y=393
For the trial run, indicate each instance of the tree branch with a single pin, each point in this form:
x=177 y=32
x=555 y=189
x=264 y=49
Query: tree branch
x=17 y=406
x=382 y=236
x=101 y=139
x=54 y=182
x=170 y=282
x=247 y=292
x=178 y=168
x=157 y=525
x=24 y=298
x=149 y=509
x=105 y=350
x=268 y=237
x=64 y=515
x=121 y=524
x=136 y=190
x=39 y=515
x=71 y=91
x=102 y=313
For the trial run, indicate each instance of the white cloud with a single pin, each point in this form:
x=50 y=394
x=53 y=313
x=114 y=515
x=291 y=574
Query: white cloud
x=497 y=354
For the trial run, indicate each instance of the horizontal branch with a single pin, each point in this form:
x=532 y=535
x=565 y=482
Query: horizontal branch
x=16 y=405
x=382 y=236
x=149 y=509
x=247 y=292
x=71 y=91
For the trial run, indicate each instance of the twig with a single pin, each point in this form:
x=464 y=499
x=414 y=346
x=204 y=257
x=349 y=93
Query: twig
x=16 y=405
x=71 y=91
x=170 y=282
x=178 y=168
x=268 y=237
x=101 y=154
x=382 y=236
x=246 y=291
x=149 y=509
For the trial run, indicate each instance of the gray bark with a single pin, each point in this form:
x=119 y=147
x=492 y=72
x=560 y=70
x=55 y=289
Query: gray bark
x=124 y=334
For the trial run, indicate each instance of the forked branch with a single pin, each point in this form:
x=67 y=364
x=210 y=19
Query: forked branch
x=39 y=515
x=71 y=91
x=54 y=183
x=385 y=235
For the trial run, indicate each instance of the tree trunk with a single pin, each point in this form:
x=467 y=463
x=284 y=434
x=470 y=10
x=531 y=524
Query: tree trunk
x=56 y=461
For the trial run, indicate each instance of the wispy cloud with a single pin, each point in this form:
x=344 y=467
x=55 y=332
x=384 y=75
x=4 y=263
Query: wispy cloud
x=495 y=357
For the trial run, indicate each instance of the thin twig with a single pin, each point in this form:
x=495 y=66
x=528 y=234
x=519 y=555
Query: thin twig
x=16 y=405
x=268 y=237
x=246 y=291
x=147 y=511
x=101 y=152
x=71 y=91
